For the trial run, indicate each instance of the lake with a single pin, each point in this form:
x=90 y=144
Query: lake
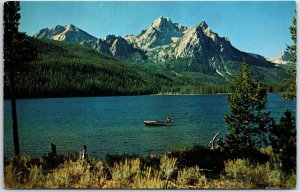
x=115 y=124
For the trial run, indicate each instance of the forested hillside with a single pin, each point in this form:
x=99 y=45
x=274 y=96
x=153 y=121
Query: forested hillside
x=65 y=69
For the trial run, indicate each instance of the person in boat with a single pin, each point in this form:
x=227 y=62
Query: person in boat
x=168 y=120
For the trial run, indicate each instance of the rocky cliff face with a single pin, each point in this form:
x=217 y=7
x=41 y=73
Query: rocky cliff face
x=161 y=32
x=112 y=46
x=118 y=47
x=196 y=48
x=200 y=41
x=68 y=33
x=103 y=47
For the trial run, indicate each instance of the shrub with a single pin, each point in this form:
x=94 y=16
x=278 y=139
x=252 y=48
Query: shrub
x=70 y=175
x=36 y=177
x=167 y=167
x=149 y=179
x=241 y=174
x=23 y=173
x=191 y=177
x=291 y=181
x=9 y=176
x=237 y=169
x=124 y=173
x=200 y=156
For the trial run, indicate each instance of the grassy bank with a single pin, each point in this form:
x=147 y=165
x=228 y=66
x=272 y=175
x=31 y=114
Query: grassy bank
x=184 y=168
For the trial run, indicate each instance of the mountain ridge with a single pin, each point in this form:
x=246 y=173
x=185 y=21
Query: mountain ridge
x=159 y=33
x=69 y=33
x=171 y=45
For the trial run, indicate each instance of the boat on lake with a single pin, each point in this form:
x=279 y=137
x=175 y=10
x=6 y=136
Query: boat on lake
x=158 y=123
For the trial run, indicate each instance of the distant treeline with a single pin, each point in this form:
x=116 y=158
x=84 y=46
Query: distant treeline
x=211 y=89
x=68 y=70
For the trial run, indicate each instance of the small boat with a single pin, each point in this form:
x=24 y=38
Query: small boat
x=157 y=123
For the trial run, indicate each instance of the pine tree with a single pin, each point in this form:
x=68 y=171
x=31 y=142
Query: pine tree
x=290 y=84
x=293 y=47
x=18 y=52
x=283 y=141
x=283 y=136
x=248 y=120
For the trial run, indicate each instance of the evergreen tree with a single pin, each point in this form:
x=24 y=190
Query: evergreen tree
x=290 y=84
x=18 y=52
x=283 y=141
x=283 y=136
x=248 y=120
x=293 y=47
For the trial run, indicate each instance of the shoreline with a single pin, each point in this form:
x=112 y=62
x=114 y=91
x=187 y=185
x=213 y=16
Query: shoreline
x=156 y=94
x=187 y=94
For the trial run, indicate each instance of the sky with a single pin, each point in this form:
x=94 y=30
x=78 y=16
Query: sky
x=255 y=27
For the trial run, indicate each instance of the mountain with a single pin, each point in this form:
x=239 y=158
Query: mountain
x=165 y=45
x=282 y=59
x=113 y=46
x=69 y=33
x=118 y=47
x=196 y=49
x=161 y=32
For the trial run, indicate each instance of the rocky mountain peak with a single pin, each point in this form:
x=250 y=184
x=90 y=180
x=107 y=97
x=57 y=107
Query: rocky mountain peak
x=164 y=41
x=71 y=27
x=283 y=58
x=162 y=22
x=58 y=29
x=203 y=28
x=69 y=33
x=110 y=39
x=161 y=32
x=203 y=25
x=47 y=33
x=43 y=33
x=118 y=47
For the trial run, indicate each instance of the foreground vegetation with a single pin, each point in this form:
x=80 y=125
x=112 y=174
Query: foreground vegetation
x=184 y=168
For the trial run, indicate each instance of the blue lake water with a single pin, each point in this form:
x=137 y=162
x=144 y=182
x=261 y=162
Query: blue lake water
x=115 y=124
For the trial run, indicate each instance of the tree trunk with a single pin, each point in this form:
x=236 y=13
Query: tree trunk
x=14 y=115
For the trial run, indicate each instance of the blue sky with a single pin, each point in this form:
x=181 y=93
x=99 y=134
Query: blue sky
x=256 y=27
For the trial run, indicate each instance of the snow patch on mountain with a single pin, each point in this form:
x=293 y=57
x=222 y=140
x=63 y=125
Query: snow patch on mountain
x=282 y=59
